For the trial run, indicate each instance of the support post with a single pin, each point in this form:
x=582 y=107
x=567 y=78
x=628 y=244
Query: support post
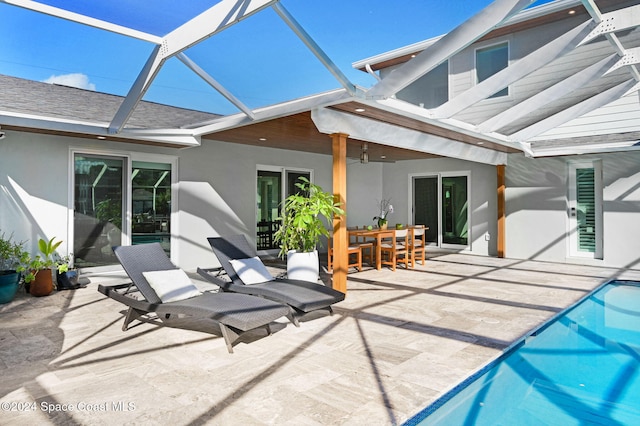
x=500 y=168
x=340 y=234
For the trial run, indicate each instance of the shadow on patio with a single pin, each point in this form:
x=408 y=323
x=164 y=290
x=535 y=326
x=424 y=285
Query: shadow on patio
x=397 y=342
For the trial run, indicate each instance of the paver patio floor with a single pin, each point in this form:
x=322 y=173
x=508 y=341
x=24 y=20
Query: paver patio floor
x=398 y=341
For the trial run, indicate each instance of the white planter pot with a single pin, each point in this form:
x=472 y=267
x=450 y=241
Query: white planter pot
x=303 y=266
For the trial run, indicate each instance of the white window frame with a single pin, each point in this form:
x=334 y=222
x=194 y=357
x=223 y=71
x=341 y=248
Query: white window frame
x=475 y=66
x=129 y=157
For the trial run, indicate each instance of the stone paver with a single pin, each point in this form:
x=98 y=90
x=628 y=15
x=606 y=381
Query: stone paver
x=398 y=341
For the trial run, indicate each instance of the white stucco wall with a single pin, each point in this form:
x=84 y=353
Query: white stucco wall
x=216 y=189
x=537 y=209
x=482 y=195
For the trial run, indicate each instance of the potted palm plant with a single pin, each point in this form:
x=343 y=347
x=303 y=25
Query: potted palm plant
x=12 y=258
x=40 y=270
x=301 y=229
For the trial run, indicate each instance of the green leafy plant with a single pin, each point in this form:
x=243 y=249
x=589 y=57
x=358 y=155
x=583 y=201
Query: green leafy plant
x=44 y=260
x=13 y=256
x=301 y=223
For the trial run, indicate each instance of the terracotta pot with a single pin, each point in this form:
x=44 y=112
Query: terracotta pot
x=42 y=285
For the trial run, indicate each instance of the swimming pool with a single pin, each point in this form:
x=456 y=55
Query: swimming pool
x=581 y=368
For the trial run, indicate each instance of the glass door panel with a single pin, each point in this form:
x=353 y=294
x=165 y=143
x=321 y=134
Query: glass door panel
x=269 y=196
x=425 y=206
x=455 y=216
x=151 y=204
x=98 y=208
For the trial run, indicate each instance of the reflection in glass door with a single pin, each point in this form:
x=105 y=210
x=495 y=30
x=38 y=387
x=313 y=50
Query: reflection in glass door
x=98 y=208
x=455 y=214
x=151 y=204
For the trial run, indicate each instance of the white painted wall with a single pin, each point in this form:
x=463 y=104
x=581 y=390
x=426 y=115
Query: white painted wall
x=537 y=214
x=216 y=196
x=482 y=192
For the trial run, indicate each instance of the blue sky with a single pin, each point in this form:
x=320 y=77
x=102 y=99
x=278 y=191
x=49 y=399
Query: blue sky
x=259 y=60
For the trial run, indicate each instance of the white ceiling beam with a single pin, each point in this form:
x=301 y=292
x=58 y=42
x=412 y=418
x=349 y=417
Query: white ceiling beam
x=215 y=84
x=314 y=47
x=84 y=20
x=514 y=72
x=573 y=112
x=617 y=20
x=330 y=121
x=461 y=37
x=549 y=95
x=219 y=17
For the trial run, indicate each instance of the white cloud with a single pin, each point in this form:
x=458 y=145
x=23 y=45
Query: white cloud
x=81 y=81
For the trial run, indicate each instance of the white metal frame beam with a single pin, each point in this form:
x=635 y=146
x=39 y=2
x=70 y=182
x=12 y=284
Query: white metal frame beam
x=447 y=46
x=212 y=21
x=530 y=63
x=549 y=95
x=314 y=47
x=83 y=19
x=588 y=105
x=214 y=83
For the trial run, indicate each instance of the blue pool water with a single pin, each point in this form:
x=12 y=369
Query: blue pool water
x=583 y=368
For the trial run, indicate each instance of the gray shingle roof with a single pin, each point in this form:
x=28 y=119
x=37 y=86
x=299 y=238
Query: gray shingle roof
x=56 y=101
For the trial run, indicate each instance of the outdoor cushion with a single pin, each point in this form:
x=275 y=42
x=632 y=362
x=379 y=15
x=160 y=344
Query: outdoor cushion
x=171 y=285
x=251 y=270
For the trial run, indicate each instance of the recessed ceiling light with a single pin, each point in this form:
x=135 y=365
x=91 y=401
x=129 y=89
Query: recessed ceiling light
x=383 y=156
x=360 y=110
x=480 y=143
x=262 y=139
x=101 y=137
x=413 y=56
x=572 y=12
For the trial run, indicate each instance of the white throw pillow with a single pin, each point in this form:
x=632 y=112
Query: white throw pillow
x=251 y=270
x=171 y=285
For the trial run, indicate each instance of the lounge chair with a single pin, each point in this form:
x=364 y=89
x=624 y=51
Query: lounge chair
x=303 y=297
x=156 y=279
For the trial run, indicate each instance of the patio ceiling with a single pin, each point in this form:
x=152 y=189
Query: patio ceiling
x=461 y=128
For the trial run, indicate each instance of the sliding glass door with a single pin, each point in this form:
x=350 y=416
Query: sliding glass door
x=274 y=184
x=440 y=202
x=99 y=200
x=119 y=200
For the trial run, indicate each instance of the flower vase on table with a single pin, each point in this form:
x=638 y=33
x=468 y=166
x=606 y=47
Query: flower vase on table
x=385 y=209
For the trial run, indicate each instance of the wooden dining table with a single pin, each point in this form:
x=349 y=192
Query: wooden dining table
x=377 y=234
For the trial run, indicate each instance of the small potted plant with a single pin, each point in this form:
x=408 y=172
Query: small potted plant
x=385 y=210
x=13 y=257
x=66 y=274
x=302 y=227
x=39 y=275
